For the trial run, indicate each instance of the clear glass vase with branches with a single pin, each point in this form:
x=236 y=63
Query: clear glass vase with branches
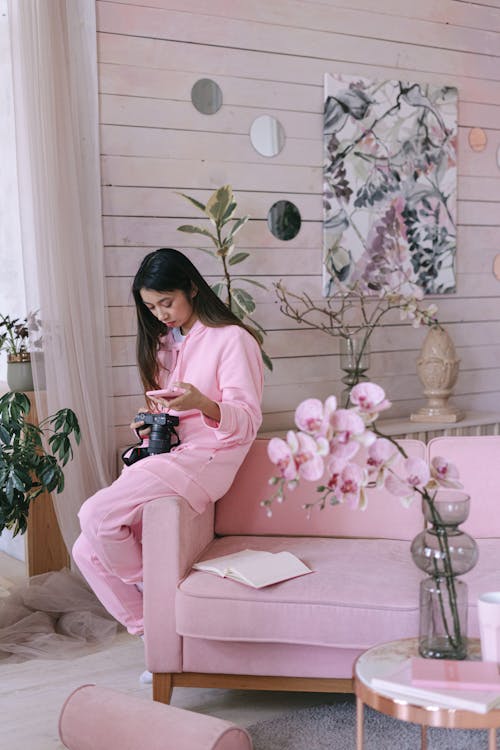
x=353 y=314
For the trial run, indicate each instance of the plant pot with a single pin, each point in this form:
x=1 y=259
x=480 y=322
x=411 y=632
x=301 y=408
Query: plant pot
x=19 y=373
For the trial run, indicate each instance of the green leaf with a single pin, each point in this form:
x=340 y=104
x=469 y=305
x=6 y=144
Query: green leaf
x=17 y=482
x=237 y=258
x=23 y=402
x=218 y=288
x=9 y=489
x=219 y=203
x=55 y=442
x=267 y=360
x=256 y=333
x=24 y=478
x=20 y=526
x=206 y=250
x=244 y=300
x=237 y=226
x=229 y=212
x=189 y=229
x=47 y=475
x=193 y=201
x=59 y=419
x=251 y=281
x=236 y=309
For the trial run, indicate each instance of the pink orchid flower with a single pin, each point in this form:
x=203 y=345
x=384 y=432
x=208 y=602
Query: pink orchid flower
x=369 y=398
x=309 y=416
x=397 y=486
x=280 y=453
x=312 y=417
x=351 y=485
x=341 y=453
x=416 y=474
x=346 y=425
x=381 y=455
x=308 y=459
x=445 y=473
x=330 y=407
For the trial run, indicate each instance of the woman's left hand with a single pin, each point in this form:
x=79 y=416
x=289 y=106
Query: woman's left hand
x=190 y=398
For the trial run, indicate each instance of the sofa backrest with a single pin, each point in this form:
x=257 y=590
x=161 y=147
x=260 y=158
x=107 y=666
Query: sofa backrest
x=477 y=458
x=240 y=512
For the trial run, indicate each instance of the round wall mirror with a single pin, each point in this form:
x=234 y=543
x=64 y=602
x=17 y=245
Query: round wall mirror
x=284 y=220
x=477 y=139
x=206 y=96
x=267 y=135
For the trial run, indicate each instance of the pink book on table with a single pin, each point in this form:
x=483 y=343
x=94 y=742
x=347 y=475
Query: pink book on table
x=455 y=675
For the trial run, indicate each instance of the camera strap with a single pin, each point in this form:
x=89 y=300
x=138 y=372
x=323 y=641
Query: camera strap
x=133 y=454
x=173 y=432
x=136 y=452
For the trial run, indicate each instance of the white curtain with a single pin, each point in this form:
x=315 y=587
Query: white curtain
x=54 y=63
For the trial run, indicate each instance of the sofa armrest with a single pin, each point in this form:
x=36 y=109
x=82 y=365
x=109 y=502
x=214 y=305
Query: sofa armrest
x=173 y=536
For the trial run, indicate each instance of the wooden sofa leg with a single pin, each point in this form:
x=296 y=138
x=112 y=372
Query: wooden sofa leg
x=162 y=687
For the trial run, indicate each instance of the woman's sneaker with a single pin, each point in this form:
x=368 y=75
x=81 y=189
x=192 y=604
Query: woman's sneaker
x=146 y=678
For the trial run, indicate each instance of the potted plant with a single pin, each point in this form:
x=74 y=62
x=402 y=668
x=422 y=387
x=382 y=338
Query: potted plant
x=220 y=210
x=15 y=335
x=31 y=457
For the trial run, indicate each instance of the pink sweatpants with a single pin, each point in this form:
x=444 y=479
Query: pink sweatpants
x=108 y=552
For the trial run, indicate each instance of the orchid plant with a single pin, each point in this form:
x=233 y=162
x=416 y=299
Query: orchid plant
x=327 y=445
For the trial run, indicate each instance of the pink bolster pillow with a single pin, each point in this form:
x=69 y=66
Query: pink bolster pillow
x=95 y=718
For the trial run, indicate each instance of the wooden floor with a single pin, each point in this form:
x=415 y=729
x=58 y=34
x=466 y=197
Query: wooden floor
x=33 y=692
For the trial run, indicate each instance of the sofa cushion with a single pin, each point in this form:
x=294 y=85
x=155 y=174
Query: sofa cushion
x=239 y=511
x=363 y=591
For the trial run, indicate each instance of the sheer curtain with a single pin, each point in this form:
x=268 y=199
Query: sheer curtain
x=56 y=113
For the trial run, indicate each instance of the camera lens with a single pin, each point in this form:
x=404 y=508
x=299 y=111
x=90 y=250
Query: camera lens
x=159 y=439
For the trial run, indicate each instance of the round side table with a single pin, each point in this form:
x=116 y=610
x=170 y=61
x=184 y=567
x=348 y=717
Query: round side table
x=380 y=661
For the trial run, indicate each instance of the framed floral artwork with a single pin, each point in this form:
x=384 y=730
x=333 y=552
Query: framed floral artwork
x=390 y=175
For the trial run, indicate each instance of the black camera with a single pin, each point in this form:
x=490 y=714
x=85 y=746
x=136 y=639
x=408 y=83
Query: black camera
x=162 y=429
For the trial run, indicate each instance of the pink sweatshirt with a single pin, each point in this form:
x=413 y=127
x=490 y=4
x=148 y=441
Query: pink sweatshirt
x=225 y=364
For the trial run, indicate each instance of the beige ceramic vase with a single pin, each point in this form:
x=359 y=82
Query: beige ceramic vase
x=437 y=368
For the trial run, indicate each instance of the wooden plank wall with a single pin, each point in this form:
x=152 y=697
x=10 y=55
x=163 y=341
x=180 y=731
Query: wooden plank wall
x=269 y=57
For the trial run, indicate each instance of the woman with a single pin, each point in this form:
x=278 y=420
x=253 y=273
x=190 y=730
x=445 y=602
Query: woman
x=187 y=339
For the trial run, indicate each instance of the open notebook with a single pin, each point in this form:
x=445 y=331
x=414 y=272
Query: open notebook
x=255 y=568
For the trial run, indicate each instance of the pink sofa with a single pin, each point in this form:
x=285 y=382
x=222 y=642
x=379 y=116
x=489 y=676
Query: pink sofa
x=302 y=634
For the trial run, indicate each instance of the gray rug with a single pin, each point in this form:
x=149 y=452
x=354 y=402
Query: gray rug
x=333 y=727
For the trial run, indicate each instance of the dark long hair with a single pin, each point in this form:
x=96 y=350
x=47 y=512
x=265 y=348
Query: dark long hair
x=168 y=270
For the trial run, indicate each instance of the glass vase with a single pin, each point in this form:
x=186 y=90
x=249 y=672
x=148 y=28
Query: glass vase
x=354 y=361
x=444 y=551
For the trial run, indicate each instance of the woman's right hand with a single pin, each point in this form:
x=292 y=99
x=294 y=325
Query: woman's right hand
x=136 y=426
